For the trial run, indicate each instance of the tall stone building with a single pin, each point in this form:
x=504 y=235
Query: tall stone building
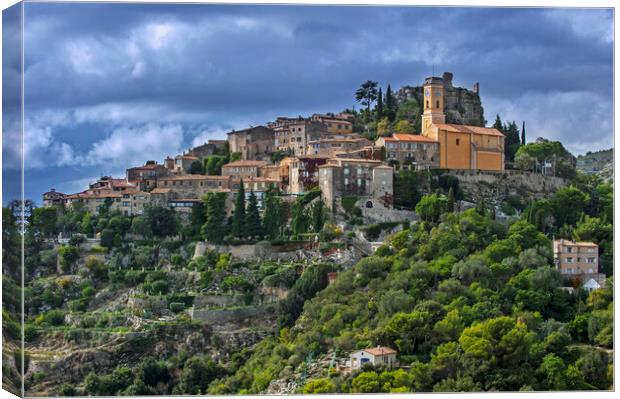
x=460 y=105
x=460 y=146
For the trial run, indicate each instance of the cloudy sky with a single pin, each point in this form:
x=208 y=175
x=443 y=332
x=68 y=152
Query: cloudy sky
x=108 y=86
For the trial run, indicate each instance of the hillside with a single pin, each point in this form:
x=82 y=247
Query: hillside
x=469 y=305
x=156 y=304
x=600 y=163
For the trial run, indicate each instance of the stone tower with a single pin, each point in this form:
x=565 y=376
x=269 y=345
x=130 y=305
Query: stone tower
x=433 y=103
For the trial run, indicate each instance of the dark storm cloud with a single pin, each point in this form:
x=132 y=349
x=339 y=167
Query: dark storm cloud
x=97 y=74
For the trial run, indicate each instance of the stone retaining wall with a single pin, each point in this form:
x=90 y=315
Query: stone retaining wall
x=501 y=184
x=237 y=315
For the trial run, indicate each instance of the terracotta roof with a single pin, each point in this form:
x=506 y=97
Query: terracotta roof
x=340 y=160
x=187 y=157
x=257 y=180
x=149 y=166
x=160 y=190
x=487 y=131
x=247 y=129
x=380 y=350
x=245 y=163
x=577 y=243
x=409 y=137
x=185 y=177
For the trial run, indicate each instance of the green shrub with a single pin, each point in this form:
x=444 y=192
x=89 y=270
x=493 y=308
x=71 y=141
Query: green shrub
x=134 y=277
x=53 y=317
x=177 y=307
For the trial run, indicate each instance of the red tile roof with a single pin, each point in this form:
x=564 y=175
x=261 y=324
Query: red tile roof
x=409 y=137
x=487 y=131
x=381 y=350
x=245 y=163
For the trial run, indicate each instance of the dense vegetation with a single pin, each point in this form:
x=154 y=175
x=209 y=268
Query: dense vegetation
x=469 y=302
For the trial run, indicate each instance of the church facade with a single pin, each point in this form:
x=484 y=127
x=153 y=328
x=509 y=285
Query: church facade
x=460 y=146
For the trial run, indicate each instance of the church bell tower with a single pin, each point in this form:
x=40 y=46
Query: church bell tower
x=433 y=104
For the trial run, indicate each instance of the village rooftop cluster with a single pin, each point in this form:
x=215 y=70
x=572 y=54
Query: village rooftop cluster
x=298 y=154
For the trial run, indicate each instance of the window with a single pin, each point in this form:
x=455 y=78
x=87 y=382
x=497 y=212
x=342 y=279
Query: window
x=458 y=141
x=427 y=106
x=591 y=260
x=437 y=104
x=569 y=260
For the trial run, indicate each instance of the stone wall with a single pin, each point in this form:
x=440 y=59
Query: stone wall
x=497 y=185
x=237 y=315
x=261 y=251
x=211 y=301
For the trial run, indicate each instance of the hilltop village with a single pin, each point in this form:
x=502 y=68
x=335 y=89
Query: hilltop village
x=295 y=155
x=323 y=153
x=402 y=247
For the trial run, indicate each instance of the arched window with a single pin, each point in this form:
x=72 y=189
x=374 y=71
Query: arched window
x=437 y=106
x=369 y=204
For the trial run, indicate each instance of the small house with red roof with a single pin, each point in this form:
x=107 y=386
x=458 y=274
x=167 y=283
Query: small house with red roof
x=379 y=356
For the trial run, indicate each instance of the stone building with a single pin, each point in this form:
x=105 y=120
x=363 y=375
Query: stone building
x=460 y=146
x=209 y=148
x=243 y=169
x=304 y=172
x=328 y=147
x=53 y=197
x=252 y=143
x=364 y=178
x=411 y=151
x=145 y=177
x=335 y=124
x=129 y=202
x=192 y=186
x=294 y=137
x=183 y=163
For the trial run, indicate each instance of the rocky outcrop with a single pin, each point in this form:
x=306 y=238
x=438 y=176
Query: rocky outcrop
x=461 y=106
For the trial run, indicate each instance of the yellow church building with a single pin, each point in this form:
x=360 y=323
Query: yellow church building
x=460 y=146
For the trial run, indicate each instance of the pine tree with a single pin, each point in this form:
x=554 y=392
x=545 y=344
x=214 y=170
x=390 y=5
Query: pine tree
x=523 y=134
x=252 y=218
x=451 y=200
x=238 y=218
x=380 y=105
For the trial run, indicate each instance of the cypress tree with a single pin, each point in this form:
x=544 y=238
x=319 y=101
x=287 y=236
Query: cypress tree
x=252 y=218
x=214 y=229
x=379 y=105
x=498 y=124
x=388 y=98
x=451 y=200
x=273 y=216
x=238 y=217
x=317 y=215
x=523 y=134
